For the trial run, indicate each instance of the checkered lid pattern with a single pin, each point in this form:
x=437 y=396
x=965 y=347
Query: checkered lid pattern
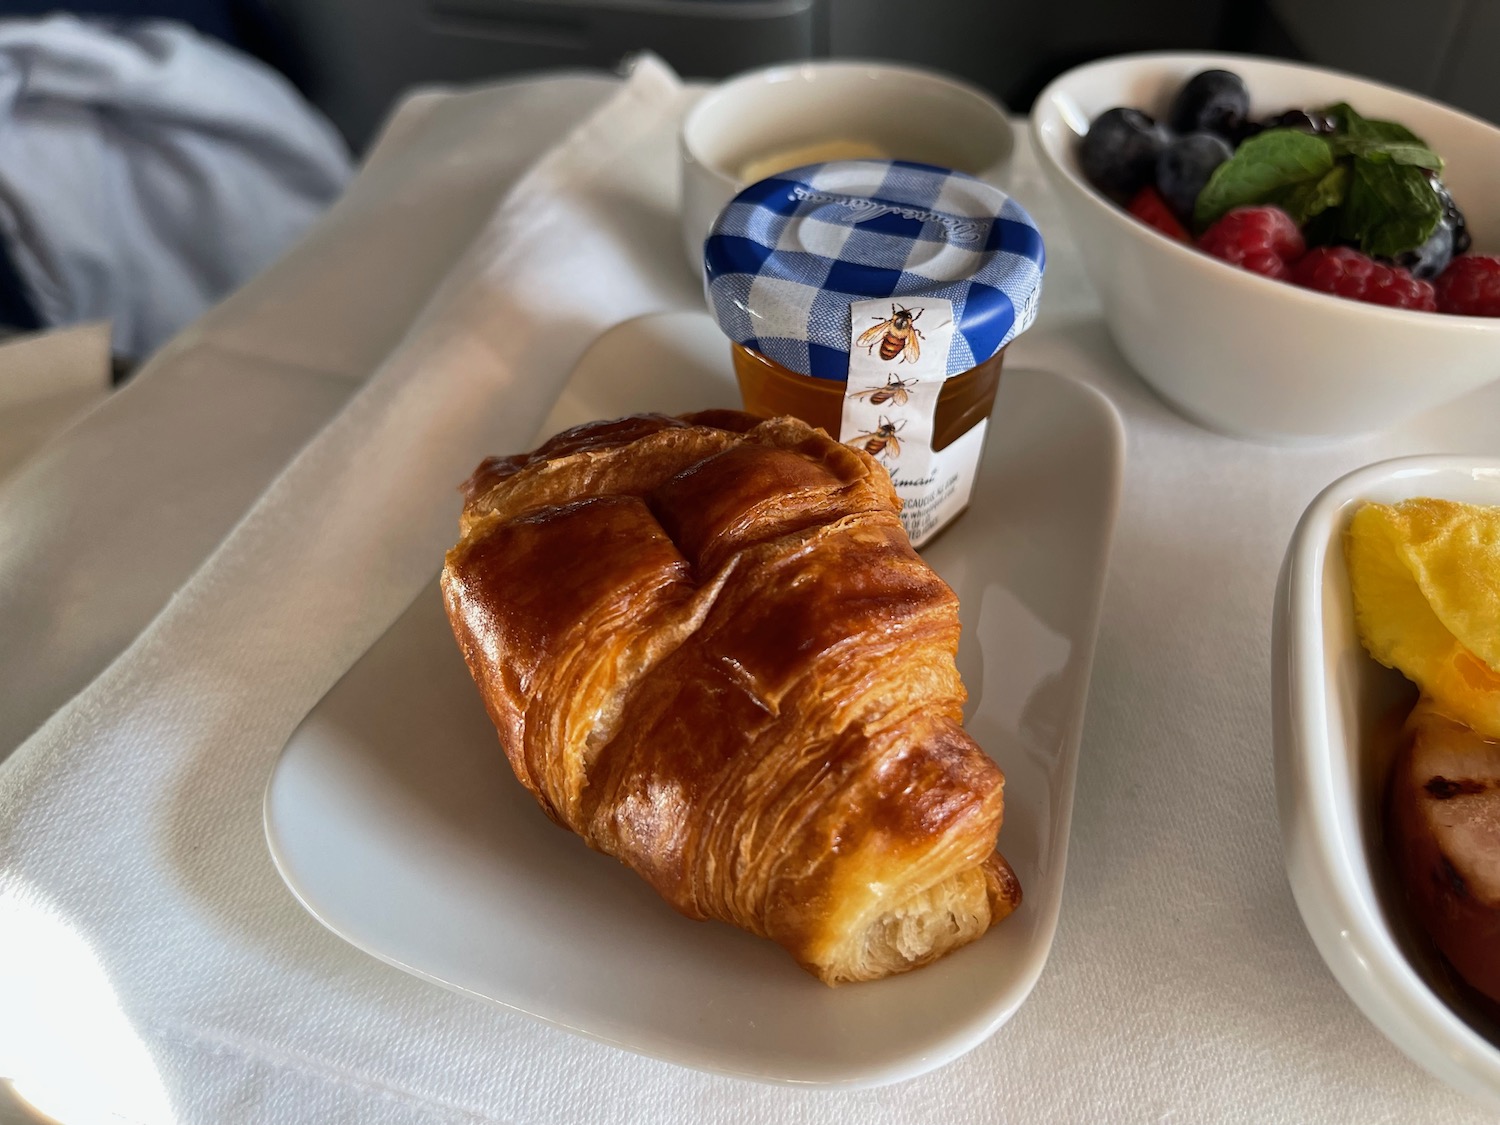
x=788 y=255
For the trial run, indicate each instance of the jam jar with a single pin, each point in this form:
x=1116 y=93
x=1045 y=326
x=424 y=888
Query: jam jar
x=875 y=298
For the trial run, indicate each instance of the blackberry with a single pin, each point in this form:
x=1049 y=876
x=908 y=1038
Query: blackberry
x=1307 y=120
x=1247 y=130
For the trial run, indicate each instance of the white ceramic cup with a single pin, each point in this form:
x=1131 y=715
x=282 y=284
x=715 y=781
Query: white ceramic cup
x=904 y=112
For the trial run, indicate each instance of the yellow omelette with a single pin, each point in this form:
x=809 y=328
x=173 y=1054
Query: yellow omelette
x=1425 y=575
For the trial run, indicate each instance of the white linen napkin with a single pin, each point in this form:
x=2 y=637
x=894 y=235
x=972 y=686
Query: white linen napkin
x=151 y=962
x=168 y=464
x=150 y=955
x=47 y=379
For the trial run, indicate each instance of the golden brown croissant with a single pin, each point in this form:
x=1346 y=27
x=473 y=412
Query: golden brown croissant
x=710 y=650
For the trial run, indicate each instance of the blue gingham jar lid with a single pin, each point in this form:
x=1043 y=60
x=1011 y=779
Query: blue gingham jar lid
x=788 y=255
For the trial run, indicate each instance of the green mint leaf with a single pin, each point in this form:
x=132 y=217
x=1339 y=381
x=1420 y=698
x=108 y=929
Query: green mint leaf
x=1380 y=141
x=1417 y=155
x=1347 y=116
x=1387 y=152
x=1309 y=198
x=1351 y=124
x=1263 y=166
x=1390 y=208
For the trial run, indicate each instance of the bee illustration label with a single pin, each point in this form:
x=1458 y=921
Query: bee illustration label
x=898 y=363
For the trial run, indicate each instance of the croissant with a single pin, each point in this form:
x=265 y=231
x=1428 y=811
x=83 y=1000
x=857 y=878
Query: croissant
x=710 y=650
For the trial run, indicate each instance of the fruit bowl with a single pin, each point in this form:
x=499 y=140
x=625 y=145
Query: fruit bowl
x=1244 y=354
x=1336 y=715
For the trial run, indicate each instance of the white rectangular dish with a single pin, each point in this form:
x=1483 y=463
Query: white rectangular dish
x=393 y=816
x=1334 y=710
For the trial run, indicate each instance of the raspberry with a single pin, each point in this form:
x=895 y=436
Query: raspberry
x=1263 y=240
x=1345 y=272
x=1150 y=208
x=1470 y=286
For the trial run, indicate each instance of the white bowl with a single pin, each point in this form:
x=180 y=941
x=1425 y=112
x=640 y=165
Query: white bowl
x=908 y=113
x=1241 y=353
x=1334 y=709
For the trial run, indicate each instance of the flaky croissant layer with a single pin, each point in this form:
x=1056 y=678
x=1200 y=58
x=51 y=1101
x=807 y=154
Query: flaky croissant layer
x=710 y=650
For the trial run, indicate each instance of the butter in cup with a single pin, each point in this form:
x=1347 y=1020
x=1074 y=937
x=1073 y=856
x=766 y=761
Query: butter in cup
x=815 y=111
x=875 y=298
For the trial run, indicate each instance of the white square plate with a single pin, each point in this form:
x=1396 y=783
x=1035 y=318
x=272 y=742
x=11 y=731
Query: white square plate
x=1335 y=710
x=393 y=816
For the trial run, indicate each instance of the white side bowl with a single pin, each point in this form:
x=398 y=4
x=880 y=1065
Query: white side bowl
x=1241 y=353
x=910 y=114
x=1334 y=712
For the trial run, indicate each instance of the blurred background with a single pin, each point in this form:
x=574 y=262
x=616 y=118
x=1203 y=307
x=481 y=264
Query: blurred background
x=156 y=153
x=351 y=58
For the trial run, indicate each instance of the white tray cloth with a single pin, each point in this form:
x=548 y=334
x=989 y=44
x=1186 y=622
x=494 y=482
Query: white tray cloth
x=159 y=960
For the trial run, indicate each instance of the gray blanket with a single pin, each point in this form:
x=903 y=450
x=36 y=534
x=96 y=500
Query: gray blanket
x=146 y=170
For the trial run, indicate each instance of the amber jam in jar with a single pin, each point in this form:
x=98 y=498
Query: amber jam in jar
x=769 y=389
x=875 y=298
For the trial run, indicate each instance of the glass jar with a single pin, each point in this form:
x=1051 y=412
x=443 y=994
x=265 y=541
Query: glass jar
x=769 y=389
x=875 y=298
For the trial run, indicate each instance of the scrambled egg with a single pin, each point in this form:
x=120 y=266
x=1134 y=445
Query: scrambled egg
x=1425 y=575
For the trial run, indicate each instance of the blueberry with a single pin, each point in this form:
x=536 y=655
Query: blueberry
x=1184 y=166
x=1461 y=239
x=1449 y=238
x=1432 y=257
x=1215 y=101
x=1307 y=120
x=1118 y=154
x=1453 y=217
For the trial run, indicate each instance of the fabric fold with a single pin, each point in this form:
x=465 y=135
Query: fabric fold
x=132 y=818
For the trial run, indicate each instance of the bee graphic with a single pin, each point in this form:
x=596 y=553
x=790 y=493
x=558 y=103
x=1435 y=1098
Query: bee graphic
x=883 y=442
x=895 y=390
x=898 y=334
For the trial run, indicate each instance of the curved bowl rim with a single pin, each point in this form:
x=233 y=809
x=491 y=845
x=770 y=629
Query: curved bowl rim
x=1253 y=284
